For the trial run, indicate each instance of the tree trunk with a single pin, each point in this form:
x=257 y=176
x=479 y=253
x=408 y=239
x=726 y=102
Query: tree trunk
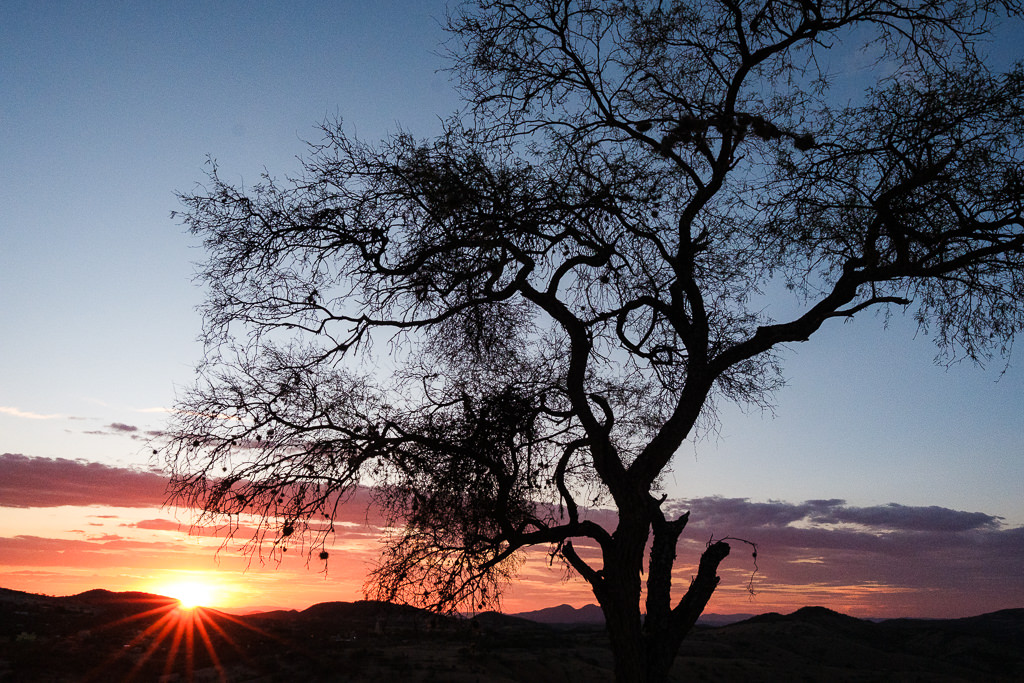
x=664 y=645
x=617 y=588
x=622 y=621
x=644 y=650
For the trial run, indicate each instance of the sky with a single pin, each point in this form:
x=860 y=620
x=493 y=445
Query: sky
x=881 y=484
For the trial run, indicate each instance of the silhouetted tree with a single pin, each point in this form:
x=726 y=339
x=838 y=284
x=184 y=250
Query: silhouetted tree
x=526 y=317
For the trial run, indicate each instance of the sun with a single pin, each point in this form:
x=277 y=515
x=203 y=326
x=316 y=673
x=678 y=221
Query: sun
x=185 y=636
x=190 y=594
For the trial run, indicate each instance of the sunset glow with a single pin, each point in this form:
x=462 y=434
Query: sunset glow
x=191 y=594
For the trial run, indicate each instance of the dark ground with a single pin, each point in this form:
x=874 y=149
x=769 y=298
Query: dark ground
x=103 y=636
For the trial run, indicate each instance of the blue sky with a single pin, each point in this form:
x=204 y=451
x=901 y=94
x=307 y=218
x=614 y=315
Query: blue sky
x=108 y=108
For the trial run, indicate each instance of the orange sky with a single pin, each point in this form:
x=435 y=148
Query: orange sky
x=69 y=526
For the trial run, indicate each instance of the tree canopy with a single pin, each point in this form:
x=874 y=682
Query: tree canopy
x=525 y=317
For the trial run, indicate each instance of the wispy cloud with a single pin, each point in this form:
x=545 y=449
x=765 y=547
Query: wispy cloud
x=17 y=412
x=28 y=550
x=240 y=532
x=119 y=428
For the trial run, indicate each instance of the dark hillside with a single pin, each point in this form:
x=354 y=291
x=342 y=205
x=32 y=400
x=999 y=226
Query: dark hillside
x=822 y=644
x=105 y=636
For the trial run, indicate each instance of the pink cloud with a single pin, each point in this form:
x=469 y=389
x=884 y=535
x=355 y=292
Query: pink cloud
x=36 y=551
x=158 y=525
x=49 y=482
x=887 y=560
x=891 y=517
x=240 y=532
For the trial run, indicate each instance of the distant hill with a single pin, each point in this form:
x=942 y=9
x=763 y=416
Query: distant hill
x=99 y=596
x=565 y=614
x=722 y=619
x=102 y=635
x=19 y=597
x=497 y=620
